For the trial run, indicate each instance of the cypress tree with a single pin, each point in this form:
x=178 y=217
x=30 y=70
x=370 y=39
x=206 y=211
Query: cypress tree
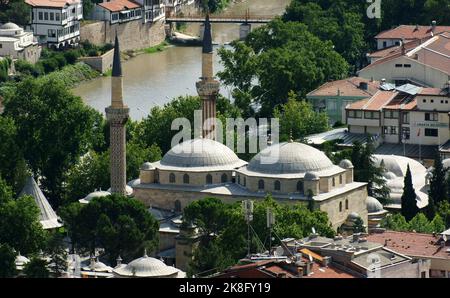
x=438 y=185
x=409 y=203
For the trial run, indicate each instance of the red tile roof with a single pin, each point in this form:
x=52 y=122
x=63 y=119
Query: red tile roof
x=433 y=92
x=327 y=272
x=375 y=103
x=410 y=32
x=119 y=5
x=346 y=87
x=411 y=244
x=50 y=3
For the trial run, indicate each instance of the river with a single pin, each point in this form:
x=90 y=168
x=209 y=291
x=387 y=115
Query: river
x=154 y=79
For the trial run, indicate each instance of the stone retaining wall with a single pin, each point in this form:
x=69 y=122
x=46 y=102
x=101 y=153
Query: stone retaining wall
x=101 y=63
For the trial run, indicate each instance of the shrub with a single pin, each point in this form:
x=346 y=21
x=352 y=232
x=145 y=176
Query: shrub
x=72 y=56
x=49 y=65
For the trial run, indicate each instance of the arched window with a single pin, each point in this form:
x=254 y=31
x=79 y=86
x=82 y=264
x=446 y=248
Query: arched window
x=300 y=187
x=261 y=184
x=334 y=181
x=224 y=178
x=208 y=179
x=340 y=206
x=277 y=185
x=340 y=179
x=177 y=206
x=346 y=204
x=172 y=178
x=186 y=179
x=239 y=179
x=245 y=181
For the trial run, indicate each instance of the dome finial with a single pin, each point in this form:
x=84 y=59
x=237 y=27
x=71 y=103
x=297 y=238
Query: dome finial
x=145 y=253
x=291 y=139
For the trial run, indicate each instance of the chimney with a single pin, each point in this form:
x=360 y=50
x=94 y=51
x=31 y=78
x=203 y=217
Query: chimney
x=433 y=26
x=119 y=261
x=383 y=81
x=403 y=47
x=92 y=263
x=356 y=237
x=326 y=261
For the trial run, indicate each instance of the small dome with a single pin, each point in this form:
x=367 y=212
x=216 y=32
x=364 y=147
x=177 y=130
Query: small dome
x=9 y=26
x=373 y=205
x=95 y=194
x=146 y=267
x=98 y=267
x=134 y=183
x=353 y=216
x=311 y=176
x=289 y=158
x=147 y=166
x=346 y=164
x=128 y=190
x=389 y=176
x=201 y=153
x=21 y=260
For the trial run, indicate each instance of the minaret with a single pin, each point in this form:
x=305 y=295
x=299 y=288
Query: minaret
x=117 y=115
x=207 y=87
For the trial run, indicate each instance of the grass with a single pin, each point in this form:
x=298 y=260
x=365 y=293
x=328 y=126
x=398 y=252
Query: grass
x=71 y=75
x=108 y=73
x=157 y=48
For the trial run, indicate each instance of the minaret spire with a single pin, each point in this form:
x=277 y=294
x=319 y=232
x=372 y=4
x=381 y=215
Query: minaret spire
x=117 y=115
x=208 y=88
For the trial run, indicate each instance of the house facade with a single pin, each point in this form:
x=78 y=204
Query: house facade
x=56 y=22
x=117 y=11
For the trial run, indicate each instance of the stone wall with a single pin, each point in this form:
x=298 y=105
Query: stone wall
x=132 y=35
x=101 y=63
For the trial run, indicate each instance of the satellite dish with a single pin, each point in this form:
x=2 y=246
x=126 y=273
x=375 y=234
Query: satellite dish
x=313 y=230
x=278 y=252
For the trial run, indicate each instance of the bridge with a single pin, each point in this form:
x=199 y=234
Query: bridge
x=239 y=19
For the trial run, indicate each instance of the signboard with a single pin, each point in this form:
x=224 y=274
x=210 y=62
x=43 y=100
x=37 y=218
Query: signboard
x=431 y=124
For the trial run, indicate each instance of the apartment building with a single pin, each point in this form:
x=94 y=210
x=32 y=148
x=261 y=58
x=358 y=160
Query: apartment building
x=56 y=22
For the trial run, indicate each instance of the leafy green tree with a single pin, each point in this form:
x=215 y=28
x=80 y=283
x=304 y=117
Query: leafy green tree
x=438 y=186
x=122 y=226
x=7 y=261
x=54 y=128
x=19 y=222
x=408 y=199
x=15 y=11
x=395 y=222
x=443 y=211
x=56 y=249
x=297 y=119
x=359 y=226
x=36 y=268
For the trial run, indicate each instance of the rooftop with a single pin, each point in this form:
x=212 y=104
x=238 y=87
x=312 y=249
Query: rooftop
x=347 y=87
x=410 y=32
x=119 y=5
x=412 y=244
x=51 y=3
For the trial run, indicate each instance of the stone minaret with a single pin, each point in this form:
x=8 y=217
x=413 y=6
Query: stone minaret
x=117 y=115
x=208 y=87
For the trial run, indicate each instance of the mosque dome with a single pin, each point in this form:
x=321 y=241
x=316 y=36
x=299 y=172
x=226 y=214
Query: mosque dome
x=9 y=26
x=199 y=153
x=95 y=194
x=128 y=190
x=147 y=166
x=389 y=176
x=134 y=183
x=346 y=164
x=373 y=205
x=146 y=267
x=289 y=158
x=310 y=176
x=353 y=216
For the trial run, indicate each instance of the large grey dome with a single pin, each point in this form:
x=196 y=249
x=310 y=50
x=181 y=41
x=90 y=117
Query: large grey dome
x=200 y=153
x=289 y=158
x=147 y=267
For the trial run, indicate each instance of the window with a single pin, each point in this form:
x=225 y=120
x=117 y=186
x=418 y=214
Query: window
x=372 y=115
x=391 y=114
x=384 y=44
x=46 y=16
x=346 y=204
x=277 y=185
x=393 y=130
x=424 y=100
x=209 y=179
x=51 y=33
x=431 y=132
x=186 y=179
x=432 y=100
x=52 y=16
x=431 y=116
x=114 y=17
x=340 y=179
x=41 y=15
x=407 y=65
x=1 y=46
x=406 y=133
x=57 y=16
x=405 y=118
x=177 y=206
x=340 y=206
x=398 y=65
x=245 y=181
x=224 y=178
x=261 y=184
x=334 y=181
x=355 y=114
x=239 y=179
x=172 y=178
x=300 y=186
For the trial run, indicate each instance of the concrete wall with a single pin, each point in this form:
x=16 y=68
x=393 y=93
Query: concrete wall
x=132 y=35
x=102 y=63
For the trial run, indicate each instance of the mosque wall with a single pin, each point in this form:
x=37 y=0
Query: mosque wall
x=195 y=179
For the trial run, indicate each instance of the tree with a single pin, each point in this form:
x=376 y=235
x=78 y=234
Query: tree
x=443 y=211
x=54 y=128
x=15 y=11
x=297 y=119
x=359 y=226
x=36 y=268
x=408 y=200
x=282 y=57
x=122 y=226
x=395 y=222
x=7 y=261
x=58 y=254
x=19 y=222
x=438 y=185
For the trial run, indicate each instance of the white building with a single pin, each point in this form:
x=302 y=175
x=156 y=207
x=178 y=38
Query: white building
x=17 y=43
x=56 y=22
x=154 y=10
x=117 y=11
